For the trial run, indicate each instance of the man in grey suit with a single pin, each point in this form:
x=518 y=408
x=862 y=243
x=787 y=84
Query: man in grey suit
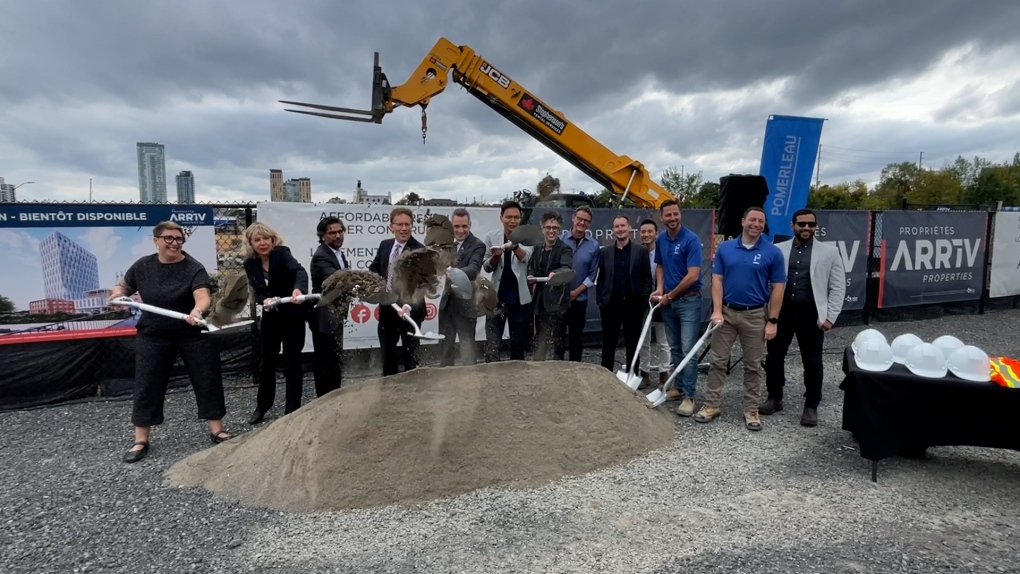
x=509 y=268
x=457 y=318
x=815 y=288
x=327 y=333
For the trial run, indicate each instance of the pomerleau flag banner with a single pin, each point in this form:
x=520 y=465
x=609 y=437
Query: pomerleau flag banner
x=787 y=162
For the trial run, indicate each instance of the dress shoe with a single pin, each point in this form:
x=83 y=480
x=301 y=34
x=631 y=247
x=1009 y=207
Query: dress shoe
x=256 y=417
x=770 y=406
x=137 y=455
x=809 y=418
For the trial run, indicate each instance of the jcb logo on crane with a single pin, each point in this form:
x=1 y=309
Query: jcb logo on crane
x=495 y=74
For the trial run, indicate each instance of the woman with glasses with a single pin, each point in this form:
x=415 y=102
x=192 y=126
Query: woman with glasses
x=173 y=280
x=273 y=273
x=550 y=302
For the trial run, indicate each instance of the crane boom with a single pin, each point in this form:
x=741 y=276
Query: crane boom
x=625 y=177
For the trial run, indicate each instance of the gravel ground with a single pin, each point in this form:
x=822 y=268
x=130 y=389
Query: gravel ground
x=720 y=499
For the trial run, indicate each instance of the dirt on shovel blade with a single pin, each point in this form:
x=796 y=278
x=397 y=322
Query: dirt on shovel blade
x=434 y=433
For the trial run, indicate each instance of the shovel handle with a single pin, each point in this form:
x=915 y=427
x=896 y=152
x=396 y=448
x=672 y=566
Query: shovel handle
x=127 y=302
x=407 y=317
x=641 y=340
x=694 y=351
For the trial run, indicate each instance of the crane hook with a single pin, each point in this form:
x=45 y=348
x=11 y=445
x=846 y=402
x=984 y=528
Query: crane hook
x=424 y=125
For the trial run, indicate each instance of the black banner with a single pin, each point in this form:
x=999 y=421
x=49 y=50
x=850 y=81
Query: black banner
x=931 y=257
x=848 y=230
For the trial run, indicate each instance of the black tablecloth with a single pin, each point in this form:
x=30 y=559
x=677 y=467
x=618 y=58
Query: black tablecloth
x=896 y=412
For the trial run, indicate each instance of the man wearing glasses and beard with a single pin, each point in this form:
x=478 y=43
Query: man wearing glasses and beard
x=815 y=287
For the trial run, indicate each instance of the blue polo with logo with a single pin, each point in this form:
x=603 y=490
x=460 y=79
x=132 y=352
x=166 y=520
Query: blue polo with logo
x=747 y=272
x=675 y=255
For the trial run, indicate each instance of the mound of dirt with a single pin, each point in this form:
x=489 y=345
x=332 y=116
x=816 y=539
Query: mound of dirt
x=434 y=433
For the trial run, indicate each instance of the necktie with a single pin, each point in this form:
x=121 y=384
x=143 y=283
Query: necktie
x=393 y=263
x=458 y=246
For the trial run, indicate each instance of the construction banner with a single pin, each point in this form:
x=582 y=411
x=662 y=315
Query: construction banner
x=849 y=231
x=1005 y=279
x=931 y=257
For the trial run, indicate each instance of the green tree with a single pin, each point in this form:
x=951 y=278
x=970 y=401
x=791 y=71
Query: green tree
x=707 y=196
x=6 y=305
x=410 y=198
x=683 y=186
x=846 y=195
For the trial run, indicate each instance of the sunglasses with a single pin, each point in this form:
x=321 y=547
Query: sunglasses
x=171 y=239
x=807 y=224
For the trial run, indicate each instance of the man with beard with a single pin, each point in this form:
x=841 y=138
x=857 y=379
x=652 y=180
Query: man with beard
x=812 y=301
x=457 y=318
x=748 y=277
x=327 y=332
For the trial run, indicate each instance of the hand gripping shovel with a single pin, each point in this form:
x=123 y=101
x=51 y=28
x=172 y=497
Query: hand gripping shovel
x=630 y=377
x=527 y=235
x=297 y=300
x=559 y=277
x=657 y=397
x=417 y=330
x=209 y=328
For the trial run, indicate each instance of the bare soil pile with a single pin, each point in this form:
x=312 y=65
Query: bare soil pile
x=434 y=433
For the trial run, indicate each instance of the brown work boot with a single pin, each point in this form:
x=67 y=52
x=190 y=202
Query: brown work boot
x=809 y=418
x=686 y=408
x=674 y=395
x=752 y=421
x=770 y=406
x=663 y=377
x=645 y=383
x=707 y=414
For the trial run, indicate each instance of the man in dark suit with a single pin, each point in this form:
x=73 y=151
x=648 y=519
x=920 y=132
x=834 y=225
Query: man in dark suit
x=622 y=291
x=327 y=332
x=457 y=317
x=392 y=326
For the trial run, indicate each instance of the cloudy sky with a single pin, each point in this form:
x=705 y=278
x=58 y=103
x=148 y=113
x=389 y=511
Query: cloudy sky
x=670 y=84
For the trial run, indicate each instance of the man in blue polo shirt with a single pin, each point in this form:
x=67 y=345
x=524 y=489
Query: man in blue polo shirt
x=678 y=289
x=748 y=278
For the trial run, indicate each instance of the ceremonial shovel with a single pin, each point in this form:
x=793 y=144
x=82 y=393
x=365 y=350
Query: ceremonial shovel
x=628 y=377
x=210 y=328
x=657 y=397
x=559 y=277
x=417 y=330
x=527 y=235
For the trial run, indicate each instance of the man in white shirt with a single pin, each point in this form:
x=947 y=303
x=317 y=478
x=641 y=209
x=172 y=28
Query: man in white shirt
x=655 y=352
x=327 y=333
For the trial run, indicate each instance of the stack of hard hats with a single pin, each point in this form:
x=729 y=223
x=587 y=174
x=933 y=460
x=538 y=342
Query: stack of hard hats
x=872 y=351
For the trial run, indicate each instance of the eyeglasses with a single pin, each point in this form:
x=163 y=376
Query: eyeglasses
x=171 y=239
x=583 y=221
x=551 y=228
x=807 y=224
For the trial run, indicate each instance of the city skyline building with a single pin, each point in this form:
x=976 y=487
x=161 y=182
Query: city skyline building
x=362 y=196
x=298 y=190
x=69 y=270
x=275 y=185
x=185 y=187
x=151 y=172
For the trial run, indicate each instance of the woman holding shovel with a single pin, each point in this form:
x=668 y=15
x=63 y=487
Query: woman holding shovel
x=173 y=280
x=550 y=301
x=273 y=273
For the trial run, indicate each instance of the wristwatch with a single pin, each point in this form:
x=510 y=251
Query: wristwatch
x=774 y=320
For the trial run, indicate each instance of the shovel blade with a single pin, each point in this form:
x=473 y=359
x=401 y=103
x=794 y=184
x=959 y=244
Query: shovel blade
x=562 y=277
x=527 y=235
x=656 y=395
x=225 y=329
x=634 y=382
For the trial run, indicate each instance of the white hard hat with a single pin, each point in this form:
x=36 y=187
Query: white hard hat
x=970 y=364
x=864 y=336
x=926 y=360
x=902 y=344
x=874 y=354
x=947 y=344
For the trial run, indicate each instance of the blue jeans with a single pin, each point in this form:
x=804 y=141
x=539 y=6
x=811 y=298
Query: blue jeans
x=683 y=323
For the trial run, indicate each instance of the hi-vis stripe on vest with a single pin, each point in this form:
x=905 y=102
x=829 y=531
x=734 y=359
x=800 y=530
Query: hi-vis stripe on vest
x=1006 y=372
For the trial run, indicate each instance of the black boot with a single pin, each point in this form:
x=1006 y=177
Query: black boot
x=770 y=406
x=257 y=416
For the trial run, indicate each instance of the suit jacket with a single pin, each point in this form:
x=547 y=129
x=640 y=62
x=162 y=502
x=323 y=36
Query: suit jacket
x=552 y=299
x=472 y=256
x=381 y=266
x=285 y=275
x=641 y=282
x=828 y=278
x=518 y=266
x=324 y=264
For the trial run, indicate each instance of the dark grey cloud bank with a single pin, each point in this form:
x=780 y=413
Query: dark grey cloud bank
x=85 y=81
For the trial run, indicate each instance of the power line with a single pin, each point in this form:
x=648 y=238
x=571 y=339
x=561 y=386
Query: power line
x=870 y=151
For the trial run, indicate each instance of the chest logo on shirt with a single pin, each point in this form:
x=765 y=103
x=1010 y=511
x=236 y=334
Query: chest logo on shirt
x=676 y=250
x=757 y=259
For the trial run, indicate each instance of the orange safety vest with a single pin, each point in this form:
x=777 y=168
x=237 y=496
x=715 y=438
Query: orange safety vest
x=1006 y=372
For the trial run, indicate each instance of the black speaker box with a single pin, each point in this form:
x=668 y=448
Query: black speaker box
x=737 y=193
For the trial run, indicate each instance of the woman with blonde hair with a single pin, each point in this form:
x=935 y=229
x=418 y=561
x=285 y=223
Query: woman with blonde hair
x=273 y=273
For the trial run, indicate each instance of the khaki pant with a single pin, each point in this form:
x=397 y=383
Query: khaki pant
x=749 y=327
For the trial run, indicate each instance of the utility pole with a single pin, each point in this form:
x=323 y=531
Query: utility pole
x=90 y=190
x=818 y=167
x=919 y=158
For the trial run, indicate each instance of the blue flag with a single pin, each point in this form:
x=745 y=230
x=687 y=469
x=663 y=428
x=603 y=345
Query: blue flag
x=787 y=160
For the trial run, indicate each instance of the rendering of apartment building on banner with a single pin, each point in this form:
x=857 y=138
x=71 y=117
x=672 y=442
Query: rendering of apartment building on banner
x=70 y=278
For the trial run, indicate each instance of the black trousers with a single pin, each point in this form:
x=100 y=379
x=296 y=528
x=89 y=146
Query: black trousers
x=154 y=359
x=796 y=320
x=393 y=329
x=328 y=347
x=456 y=321
x=549 y=332
x=574 y=321
x=287 y=330
x=522 y=328
x=627 y=314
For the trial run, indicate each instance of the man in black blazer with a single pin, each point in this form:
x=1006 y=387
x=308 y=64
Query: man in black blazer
x=457 y=317
x=624 y=285
x=392 y=327
x=327 y=332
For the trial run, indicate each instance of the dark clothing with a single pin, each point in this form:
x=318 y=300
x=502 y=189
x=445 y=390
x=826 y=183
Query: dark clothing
x=549 y=331
x=154 y=359
x=638 y=276
x=326 y=331
x=798 y=281
x=574 y=322
x=628 y=315
x=508 y=292
x=167 y=285
x=800 y=320
x=550 y=299
x=457 y=317
x=391 y=327
x=324 y=264
x=521 y=324
x=621 y=271
x=625 y=283
x=283 y=325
